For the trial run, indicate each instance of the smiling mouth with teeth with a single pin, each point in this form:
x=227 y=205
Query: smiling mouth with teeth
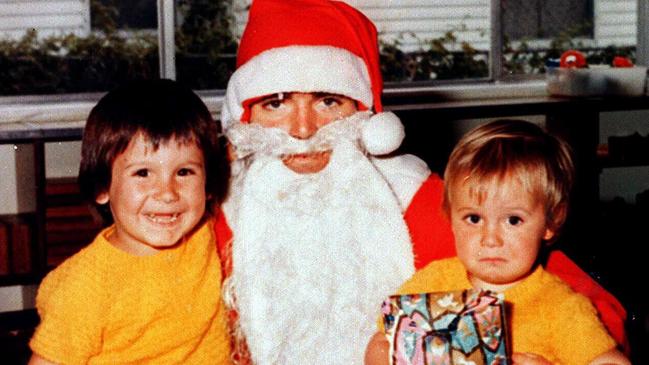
x=163 y=218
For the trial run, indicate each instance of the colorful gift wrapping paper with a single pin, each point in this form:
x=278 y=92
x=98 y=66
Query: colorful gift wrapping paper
x=459 y=327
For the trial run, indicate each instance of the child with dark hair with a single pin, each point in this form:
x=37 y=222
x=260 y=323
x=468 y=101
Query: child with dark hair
x=147 y=289
x=506 y=194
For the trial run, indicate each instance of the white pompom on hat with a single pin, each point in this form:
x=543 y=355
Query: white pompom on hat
x=311 y=46
x=382 y=134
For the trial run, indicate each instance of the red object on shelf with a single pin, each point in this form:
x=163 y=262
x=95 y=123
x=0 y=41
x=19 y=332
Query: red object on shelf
x=573 y=59
x=619 y=61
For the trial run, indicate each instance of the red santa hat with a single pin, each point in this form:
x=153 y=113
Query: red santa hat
x=311 y=46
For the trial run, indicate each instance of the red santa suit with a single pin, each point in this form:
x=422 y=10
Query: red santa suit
x=327 y=46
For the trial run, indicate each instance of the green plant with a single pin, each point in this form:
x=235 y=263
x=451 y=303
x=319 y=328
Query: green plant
x=442 y=58
x=445 y=58
x=104 y=16
x=72 y=64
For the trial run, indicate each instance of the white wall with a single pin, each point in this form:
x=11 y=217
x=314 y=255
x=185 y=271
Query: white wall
x=48 y=17
x=17 y=190
x=19 y=297
x=616 y=22
x=62 y=159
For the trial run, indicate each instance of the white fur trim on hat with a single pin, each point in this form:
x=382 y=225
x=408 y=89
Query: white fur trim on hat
x=297 y=69
x=382 y=133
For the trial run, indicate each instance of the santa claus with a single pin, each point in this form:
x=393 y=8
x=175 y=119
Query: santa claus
x=323 y=220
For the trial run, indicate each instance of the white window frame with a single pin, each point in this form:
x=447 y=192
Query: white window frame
x=166 y=40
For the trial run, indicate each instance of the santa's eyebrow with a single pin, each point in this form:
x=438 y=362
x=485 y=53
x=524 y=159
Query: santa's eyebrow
x=279 y=96
x=321 y=94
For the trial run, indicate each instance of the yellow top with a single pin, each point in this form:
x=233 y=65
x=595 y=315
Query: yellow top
x=545 y=316
x=104 y=306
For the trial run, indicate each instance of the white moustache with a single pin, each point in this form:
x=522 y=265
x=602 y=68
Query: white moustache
x=252 y=138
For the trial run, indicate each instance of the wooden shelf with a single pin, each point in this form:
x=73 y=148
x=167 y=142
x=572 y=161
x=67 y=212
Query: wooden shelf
x=69 y=226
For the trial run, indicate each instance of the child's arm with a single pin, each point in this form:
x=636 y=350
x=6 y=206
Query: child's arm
x=525 y=358
x=611 y=312
x=377 y=354
x=37 y=360
x=377 y=350
x=67 y=334
x=613 y=357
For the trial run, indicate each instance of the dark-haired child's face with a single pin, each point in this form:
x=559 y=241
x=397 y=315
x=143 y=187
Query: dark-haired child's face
x=156 y=196
x=498 y=234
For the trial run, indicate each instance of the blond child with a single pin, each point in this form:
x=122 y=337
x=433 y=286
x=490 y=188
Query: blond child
x=506 y=194
x=147 y=289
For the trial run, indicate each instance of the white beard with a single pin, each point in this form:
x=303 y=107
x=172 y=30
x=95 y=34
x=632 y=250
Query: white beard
x=314 y=256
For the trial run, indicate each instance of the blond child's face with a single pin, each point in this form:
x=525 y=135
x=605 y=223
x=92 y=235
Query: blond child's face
x=498 y=237
x=156 y=197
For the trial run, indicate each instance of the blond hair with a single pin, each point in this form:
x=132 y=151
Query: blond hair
x=507 y=148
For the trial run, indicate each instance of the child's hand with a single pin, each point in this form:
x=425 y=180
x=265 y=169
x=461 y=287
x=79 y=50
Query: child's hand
x=378 y=350
x=37 y=360
x=525 y=358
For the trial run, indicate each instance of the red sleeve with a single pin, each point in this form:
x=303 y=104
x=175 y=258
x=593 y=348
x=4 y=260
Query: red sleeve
x=610 y=310
x=223 y=243
x=429 y=227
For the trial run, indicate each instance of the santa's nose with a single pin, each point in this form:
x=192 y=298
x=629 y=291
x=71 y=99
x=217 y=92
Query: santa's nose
x=303 y=122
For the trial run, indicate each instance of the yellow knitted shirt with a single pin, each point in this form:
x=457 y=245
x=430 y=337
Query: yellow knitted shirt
x=545 y=316
x=104 y=306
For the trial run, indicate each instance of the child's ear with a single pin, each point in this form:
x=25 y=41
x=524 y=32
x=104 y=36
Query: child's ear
x=549 y=233
x=560 y=214
x=102 y=198
x=555 y=221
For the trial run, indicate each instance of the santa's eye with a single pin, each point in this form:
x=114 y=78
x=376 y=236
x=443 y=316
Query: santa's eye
x=273 y=104
x=330 y=101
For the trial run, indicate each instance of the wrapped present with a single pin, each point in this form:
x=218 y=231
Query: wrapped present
x=459 y=327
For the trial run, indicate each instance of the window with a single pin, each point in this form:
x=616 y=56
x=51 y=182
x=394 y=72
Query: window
x=133 y=14
x=546 y=19
x=77 y=46
x=534 y=32
x=206 y=46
